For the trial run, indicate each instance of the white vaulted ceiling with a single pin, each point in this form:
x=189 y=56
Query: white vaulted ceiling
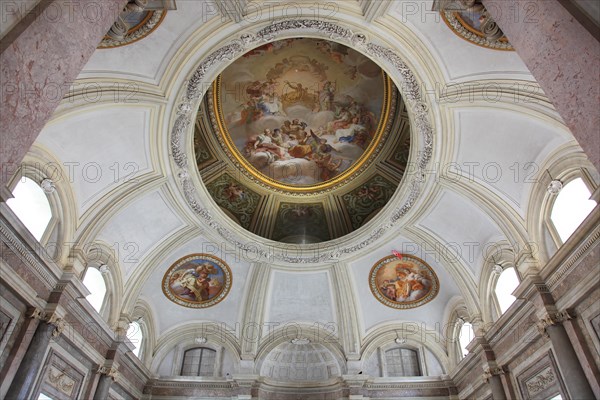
x=150 y=212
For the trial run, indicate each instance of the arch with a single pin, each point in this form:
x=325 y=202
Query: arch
x=32 y=207
x=40 y=165
x=184 y=336
x=93 y=280
x=565 y=164
x=574 y=196
x=300 y=361
x=457 y=314
x=299 y=332
x=101 y=256
x=498 y=259
x=143 y=316
x=409 y=334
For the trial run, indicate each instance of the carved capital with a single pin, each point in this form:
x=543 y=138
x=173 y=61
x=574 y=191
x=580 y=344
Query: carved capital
x=36 y=313
x=111 y=372
x=51 y=318
x=121 y=326
x=493 y=371
x=59 y=323
x=553 y=318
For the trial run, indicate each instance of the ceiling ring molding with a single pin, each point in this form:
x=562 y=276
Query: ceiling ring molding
x=407 y=83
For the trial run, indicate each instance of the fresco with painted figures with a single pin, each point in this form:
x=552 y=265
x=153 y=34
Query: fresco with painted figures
x=301 y=112
x=402 y=283
x=197 y=281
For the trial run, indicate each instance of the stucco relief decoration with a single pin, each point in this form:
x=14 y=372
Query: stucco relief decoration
x=134 y=23
x=541 y=381
x=197 y=281
x=403 y=281
x=470 y=20
x=298 y=113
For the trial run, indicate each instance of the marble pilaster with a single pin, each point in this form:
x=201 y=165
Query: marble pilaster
x=563 y=57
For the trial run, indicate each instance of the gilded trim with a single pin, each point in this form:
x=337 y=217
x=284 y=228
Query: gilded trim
x=249 y=170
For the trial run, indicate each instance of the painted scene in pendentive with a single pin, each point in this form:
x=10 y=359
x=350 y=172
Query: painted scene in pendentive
x=301 y=111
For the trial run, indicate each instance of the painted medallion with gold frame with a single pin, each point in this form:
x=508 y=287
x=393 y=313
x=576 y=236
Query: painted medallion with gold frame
x=403 y=283
x=197 y=281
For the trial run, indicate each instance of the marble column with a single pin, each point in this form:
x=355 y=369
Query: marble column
x=107 y=376
x=40 y=59
x=32 y=361
x=496 y=386
x=562 y=56
x=571 y=370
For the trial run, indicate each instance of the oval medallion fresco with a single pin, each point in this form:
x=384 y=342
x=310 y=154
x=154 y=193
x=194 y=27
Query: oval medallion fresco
x=197 y=281
x=301 y=114
x=403 y=283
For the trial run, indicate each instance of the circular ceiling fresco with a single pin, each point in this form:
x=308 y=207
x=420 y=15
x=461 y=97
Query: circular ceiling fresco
x=302 y=114
x=302 y=140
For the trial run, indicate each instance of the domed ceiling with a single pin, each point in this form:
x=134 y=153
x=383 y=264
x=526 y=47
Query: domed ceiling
x=302 y=140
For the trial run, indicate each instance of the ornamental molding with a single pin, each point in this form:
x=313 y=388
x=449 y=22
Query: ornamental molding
x=184 y=120
x=27 y=256
x=566 y=266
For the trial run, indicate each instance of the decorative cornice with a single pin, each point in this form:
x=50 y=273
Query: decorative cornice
x=566 y=266
x=410 y=90
x=26 y=255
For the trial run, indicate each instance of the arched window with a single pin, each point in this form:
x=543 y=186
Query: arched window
x=571 y=207
x=31 y=206
x=136 y=337
x=506 y=284
x=199 y=361
x=402 y=362
x=94 y=282
x=465 y=336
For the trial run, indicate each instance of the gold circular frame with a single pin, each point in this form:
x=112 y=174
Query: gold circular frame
x=220 y=296
x=364 y=159
x=433 y=291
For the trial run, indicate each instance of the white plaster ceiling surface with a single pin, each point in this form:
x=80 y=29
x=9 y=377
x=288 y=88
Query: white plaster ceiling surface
x=300 y=297
x=100 y=148
x=461 y=61
x=169 y=314
x=140 y=226
x=462 y=228
x=505 y=149
x=374 y=313
x=147 y=59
